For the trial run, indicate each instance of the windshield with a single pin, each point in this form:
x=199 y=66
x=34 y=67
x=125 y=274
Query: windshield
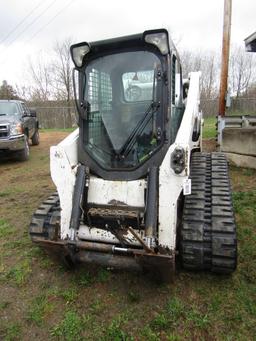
x=122 y=91
x=8 y=108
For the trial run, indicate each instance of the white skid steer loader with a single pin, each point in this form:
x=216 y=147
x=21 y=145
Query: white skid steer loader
x=133 y=187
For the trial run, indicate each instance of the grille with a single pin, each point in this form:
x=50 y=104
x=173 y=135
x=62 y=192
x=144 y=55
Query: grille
x=99 y=91
x=115 y=217
x=4 y=130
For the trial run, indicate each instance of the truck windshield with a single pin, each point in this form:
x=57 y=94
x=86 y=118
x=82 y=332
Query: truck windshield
x=123 y=94
x=8 y=108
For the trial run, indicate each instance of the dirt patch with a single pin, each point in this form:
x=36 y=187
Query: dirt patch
x=209 y=145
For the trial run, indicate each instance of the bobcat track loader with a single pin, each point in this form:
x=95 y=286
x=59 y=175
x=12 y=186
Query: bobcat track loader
x=134 y=189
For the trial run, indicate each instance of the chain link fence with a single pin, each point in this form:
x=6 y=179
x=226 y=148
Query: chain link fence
x=54 y=115
x=63 y=117
x=246 y=106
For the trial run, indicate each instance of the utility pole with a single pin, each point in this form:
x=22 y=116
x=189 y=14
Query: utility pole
x=225 y=56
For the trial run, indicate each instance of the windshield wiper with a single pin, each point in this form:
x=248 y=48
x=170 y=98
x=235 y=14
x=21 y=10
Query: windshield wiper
x=154 y=105
x=139 y=129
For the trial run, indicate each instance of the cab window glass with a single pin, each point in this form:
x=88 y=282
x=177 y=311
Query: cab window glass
x=24 y=108
x=138 y=85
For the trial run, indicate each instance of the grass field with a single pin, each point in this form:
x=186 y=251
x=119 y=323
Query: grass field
x=41 y=300
x=209 y=130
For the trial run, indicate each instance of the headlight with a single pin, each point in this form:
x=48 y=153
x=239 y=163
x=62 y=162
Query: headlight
x=16 y=129
x=178 y=160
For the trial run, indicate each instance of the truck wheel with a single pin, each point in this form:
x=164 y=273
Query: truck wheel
x=208 y=232
x=23 y=155
x=35 y=138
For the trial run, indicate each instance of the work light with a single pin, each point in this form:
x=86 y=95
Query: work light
x=159 y=39
x=78 y=51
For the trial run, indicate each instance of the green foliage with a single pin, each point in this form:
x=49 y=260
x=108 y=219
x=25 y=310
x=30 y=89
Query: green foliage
x=133 y=296
x=7 y=91
x=12 y=190
x=248 y=172
x=209 y=128
x=4 y=305
x=83 y=278
x=11 y=332
x=4 y=194
x=174 y=337
x=19 y=273
x=244 y=201
x=173 y=311
x=148 y=334
x=160 y=322
x=114 y=331
x=22 y=245
x=69 y=295
x=5 y=228
x=198 y=319
x=103 y=275
x=96 y=307
x=38 y=310
x=70 y=328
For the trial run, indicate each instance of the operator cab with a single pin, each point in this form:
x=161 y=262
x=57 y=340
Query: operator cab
x=125 y=101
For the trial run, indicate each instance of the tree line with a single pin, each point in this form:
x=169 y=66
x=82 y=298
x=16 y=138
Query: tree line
x=242 y=72
x=49 y=76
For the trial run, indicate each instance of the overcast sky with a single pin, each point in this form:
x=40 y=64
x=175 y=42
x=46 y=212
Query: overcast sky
x=31 y=27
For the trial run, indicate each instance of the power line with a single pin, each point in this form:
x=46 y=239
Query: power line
x=31 y=23
x=50 y=21
x=21 y=22
x=43 y=27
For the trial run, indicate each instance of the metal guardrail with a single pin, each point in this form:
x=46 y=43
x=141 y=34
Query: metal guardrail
x=234 y=121
x=240 y=121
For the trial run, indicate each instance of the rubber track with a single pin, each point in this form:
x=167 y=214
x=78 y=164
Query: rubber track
x=208 y=233
x=46 y=220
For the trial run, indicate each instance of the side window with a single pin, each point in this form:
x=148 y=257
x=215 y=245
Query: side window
x=176 y=81
x=138 y=86
x=25 y=109
x=178 y=84
x=173 y=75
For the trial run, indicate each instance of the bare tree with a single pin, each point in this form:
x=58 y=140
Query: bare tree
x=23 y=92
x=210 y=76
x=40 y=73
x=63 y=74
x=242 y=70
x=207 y=63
